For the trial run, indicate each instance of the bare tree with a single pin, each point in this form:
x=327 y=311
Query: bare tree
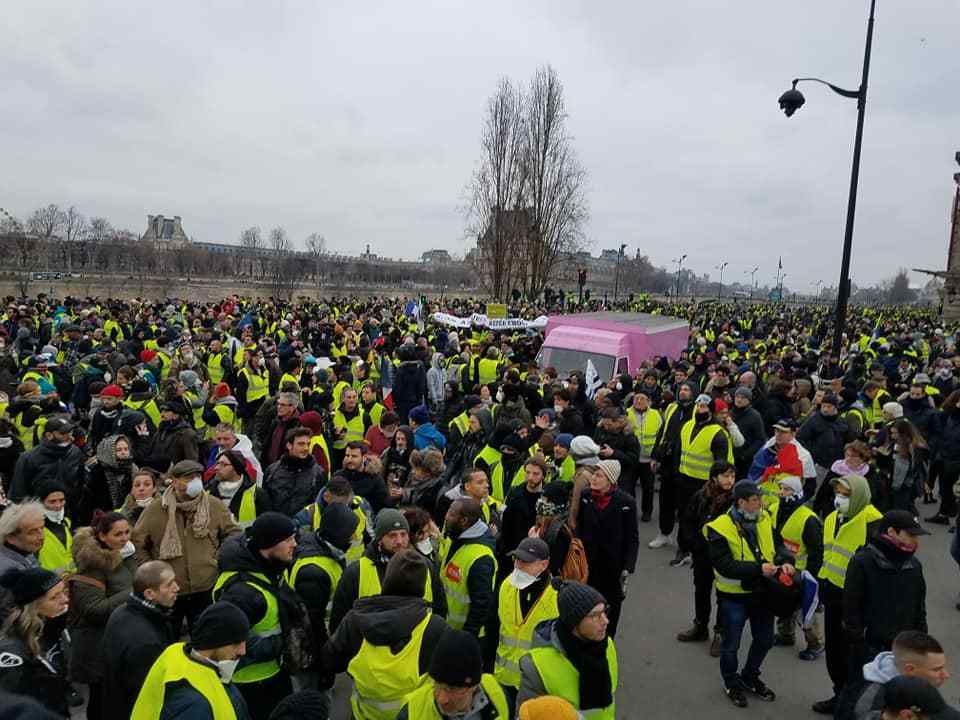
x=47 y=221
x=316 y=245
x=251 y=242
x=74 y=227
x=285 y=268
x=555 y=189
x=496 y=193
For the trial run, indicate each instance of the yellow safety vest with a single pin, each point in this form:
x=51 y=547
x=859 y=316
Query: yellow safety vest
x=375 y=412
x=24 y=432
x=331 y=567
x=561 y=679
x=354 y=428
x=190 y=396
x=338 y=392
x=215 y=370
x=647 y=431
x=382 y=680
x=56 y=556
x=422 y=706
x=288 y=378
x=174 y=666
x=487 y=370
x=740 y=548
x=454 y=573
x=875 y=411
x=498 y=489
x=147 y=407
x=109 y=327
x=792 y=535
x=268 y=626
x=491 y=456
x=839 y=547
x=516 y=631
x=258 y=384
x=462 y=423
x=355 y=551
x=248 y=507
x=226 y=415
x=696 y=458
x=370 y=581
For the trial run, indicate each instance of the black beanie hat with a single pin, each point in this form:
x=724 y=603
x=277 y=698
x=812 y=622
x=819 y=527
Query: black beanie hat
x=49 y=486
x=237 y=460
x=270 y=529
x=220 y=625
x=456 y=660
x=406 y=574
x=303 y=705
x=575 y=602
x=28 y=584
x=338 y=523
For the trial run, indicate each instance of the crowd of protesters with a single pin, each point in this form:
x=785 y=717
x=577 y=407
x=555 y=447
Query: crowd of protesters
x=213 y=510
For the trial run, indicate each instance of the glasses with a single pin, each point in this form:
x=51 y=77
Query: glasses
x=596 y=614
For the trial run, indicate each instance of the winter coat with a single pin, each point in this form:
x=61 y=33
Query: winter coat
x=42 y=679
x=10 y=557
x=370 y=487
x=409 y=387
x=777 y=407
x=291 y=484
x=380 y=620
x=313 y=583
x=610 y=538
x=135 y=636
x=90 y=606
x=110 y=480
x=699 y=512
x=196 y=568
x=924 y=417
x=348 y=591
x=103 y=423
x=948 y=445
x=626 y=451
x=20 y=707
x=426 y=436
x=273 y=439
x=825 y=438
x=571 y=421
x=519 y=516
x=884 y=593
x=49 y=461
x=174 y=441
x=436 y=377
x=751 y=427
x=857 y=701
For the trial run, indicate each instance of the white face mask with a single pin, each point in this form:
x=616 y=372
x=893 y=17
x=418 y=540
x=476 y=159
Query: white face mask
x=229 y=489
x=127 y=550
x=521 y=579
x=55 y=516
x=842 y=504
x=143 y=502
x=65 y=444
x=425 y=546
x=194 y=487
x=226 y=668
x=6 y=442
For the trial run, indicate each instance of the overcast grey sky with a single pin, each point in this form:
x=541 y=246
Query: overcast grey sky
x=361 y=121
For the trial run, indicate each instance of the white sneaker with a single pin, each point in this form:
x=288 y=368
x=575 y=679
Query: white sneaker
x=660 y=541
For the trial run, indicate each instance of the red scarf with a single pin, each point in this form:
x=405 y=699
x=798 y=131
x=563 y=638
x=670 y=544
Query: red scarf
x=601 y=500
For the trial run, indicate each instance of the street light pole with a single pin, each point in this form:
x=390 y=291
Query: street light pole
x=720 y=267
x=679 y=263
x=790 y=102
x=753 y=279
x=616 y=277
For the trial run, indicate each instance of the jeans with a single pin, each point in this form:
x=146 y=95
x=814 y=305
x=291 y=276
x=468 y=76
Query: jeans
x=734 y=615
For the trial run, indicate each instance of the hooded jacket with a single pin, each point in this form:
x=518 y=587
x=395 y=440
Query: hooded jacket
x=869 y=695
x=245 y=447
x=110 y=479
x=348 y=591
x=291 y=484
x=90 y=606
x=380 y=620
x=426 y=436
x=436 y=377
x=174 y=441
x=825 y=438
x=409 y=387
x=48 y=461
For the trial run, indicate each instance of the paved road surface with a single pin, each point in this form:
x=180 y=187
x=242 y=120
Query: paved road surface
x=661 y=679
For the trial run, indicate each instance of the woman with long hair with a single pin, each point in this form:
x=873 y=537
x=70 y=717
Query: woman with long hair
x=905 y=466
x=105 y=564
x=34 y=665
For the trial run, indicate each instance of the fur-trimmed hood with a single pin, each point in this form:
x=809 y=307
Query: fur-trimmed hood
x=90 y=556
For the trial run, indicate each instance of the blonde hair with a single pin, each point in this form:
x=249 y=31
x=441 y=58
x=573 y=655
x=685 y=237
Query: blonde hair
x=26 y=624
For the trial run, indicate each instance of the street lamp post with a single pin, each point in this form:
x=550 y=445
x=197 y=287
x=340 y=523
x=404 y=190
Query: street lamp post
x=791 y=101
x=720 y=267
x=616 y=277
x=782 y=278
x=679 y=262
x=753 y=279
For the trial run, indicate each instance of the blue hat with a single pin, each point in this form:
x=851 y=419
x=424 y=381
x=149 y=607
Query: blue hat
x=563 y=440
x=420 y=415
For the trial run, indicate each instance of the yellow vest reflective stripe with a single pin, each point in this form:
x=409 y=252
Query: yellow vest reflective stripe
x=792 y=534
x=382 y=680
x=487 y=370
x=147 y=407
x=516 y=631
x=422 y=706
x=56 y=556
x=268 y=626
x=370 y=581
x=839 y=547
x=174 y=666
x=860 y=416
x=354 y=428
x=248 y=507
x=258 y=384
x=331 y=567
x=454 y=573
x=561 y=679
x=355 y=551
x=740 y=548
x=214 y=365
x=696 y=458
x=647 y=432
x=875 y=411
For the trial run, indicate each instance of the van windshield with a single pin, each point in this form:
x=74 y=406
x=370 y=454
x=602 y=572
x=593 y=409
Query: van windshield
x=566 y=361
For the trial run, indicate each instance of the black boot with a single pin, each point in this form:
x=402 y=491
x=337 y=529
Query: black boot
x=698 y=632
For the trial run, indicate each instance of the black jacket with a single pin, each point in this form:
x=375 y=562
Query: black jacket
x=570 y=421
x=884 y=593
x=667 y=448
x=348 y=591
x=135 y=636
x=480 y=583
x=313 y=584
x=42 y=680
x=626 y=451
x=174 y=441
x=518 y=517
x=750 y=424
x=825 y=438
x=699 y=512
x=409 y=387
x=48 y=461
x=380 y=620
x=291 y=484
x=610 y=538
x=370 y=487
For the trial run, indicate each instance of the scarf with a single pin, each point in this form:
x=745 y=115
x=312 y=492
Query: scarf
x=171 y=546
x=601 y=500
x=590 y=660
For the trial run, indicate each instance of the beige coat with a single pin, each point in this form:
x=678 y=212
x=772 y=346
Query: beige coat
x=196 y=569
